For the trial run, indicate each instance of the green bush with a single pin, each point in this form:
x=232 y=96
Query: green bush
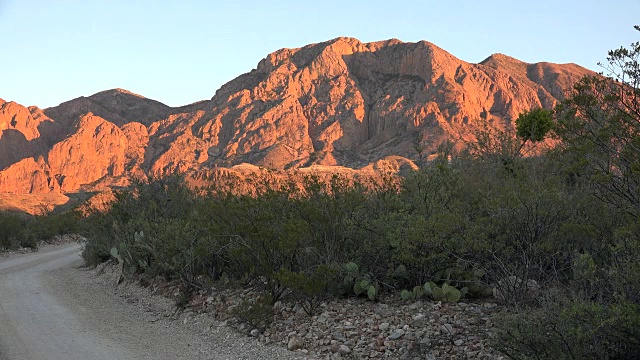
x=447 y=222
x=23 y=230
x=571 y=329
x=309 y=288
x=45 y=227
x=14 y=231
x=257 y=313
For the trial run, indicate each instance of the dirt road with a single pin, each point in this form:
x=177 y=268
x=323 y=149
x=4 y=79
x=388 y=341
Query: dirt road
x=48 y=312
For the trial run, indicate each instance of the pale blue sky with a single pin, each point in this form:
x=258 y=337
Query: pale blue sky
x=179 y=52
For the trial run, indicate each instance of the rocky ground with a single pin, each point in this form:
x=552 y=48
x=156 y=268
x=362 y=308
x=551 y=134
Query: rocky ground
x=344 y=328
x=389 y=329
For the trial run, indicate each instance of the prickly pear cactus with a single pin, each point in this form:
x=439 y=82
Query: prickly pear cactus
x=372 y=292
x=407 y=295
x=116 y=255
x=429 y=288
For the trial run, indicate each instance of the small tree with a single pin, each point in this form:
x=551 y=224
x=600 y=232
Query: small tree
x=505 y=146
x=600 y=125
x=534 y=125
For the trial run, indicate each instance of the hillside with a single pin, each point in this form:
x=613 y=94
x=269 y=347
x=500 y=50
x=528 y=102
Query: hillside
x=337 y=103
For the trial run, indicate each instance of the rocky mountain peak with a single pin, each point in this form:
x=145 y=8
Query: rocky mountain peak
x=336 y=103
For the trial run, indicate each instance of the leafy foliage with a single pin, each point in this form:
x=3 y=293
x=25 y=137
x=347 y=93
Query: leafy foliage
x=258 y=313
x=534 y=125
x=599 y=123
x=577 y=329
x=23 y=230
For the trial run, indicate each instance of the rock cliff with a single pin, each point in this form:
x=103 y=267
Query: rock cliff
x=337 y=103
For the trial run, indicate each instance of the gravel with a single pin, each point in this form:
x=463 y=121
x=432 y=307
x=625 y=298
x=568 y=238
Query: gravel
x=183 y=334
x=51 y=309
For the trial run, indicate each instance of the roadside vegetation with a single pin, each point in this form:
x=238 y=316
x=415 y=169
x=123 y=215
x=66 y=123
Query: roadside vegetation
x=554 y=236
x=19 y=230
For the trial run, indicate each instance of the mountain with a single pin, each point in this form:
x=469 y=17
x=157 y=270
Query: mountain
x=337 y=103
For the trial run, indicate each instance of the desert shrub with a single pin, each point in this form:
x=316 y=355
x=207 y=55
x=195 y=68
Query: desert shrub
x=266 y=238
x=309 y=288
x=597 y=314
x=467 y=212
x=420 y=232
x=159 y=209
x=256 y=312
x=461 y=225
x=14 y=231
x=329 y=210
x=97 y=228
x=592 y=313
x=45 y=227
x=516 y=234
x=569 y=328
x=24 y=230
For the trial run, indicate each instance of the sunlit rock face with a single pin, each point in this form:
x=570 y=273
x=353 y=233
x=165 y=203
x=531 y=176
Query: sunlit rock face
x=344 y=103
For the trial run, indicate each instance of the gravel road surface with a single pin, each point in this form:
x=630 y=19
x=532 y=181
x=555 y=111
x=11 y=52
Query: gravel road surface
x=48 y=310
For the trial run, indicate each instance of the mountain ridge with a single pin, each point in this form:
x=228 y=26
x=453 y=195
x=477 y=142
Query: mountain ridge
x=336 y=103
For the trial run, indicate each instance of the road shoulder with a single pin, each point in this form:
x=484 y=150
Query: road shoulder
x=150 y=324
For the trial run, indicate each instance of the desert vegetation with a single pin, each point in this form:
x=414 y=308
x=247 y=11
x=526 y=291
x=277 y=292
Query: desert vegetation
x=554 y=236
x=19 y=230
